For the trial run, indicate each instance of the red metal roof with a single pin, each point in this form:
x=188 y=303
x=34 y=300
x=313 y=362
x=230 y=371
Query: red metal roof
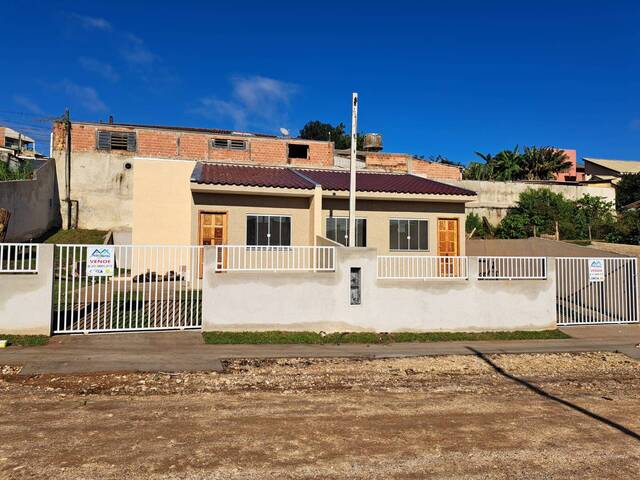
x=383 y=182
x=284 y=177
x=248 y=176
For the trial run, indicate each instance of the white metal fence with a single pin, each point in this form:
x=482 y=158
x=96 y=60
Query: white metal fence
x=245 y=258
x=512 y=268
x=588 y=294
x=422 y=267
x=19 y=257
x=149 y=288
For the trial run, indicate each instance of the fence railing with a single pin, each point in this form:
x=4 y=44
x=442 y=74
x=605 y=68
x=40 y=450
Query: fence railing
x=512 y=268
x=249 y=258
x=142 y=287
x=604 y=292
x=19 y=257
x=422 y=267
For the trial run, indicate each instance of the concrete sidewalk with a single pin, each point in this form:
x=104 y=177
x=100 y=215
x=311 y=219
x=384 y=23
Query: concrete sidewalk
x=186 y=351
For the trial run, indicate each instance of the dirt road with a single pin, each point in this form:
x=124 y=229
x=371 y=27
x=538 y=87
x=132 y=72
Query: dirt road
x=560 y=416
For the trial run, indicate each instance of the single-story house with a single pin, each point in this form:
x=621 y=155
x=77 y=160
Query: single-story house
x=175 y=202
x=600 y=169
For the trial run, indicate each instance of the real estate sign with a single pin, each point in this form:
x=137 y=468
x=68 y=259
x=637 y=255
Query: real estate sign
x=596 y=270
x=100 y=261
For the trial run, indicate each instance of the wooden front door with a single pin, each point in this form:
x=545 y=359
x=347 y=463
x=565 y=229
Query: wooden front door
x=213 y=231
x=448 y=245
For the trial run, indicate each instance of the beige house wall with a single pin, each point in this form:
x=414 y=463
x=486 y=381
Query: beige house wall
x=237 y=207
x=162 y=202
x=378 y=213
x=166 y=210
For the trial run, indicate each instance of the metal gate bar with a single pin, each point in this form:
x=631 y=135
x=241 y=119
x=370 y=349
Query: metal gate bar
x=580 y=301
x=153 y=287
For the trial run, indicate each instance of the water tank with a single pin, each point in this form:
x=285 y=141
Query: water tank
x=372 y=142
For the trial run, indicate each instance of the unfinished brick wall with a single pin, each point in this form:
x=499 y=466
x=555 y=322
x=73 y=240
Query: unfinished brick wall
x=436 y=170
x=153 y=142
x=387 y=162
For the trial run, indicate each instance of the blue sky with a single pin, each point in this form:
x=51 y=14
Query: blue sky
x=445 y=78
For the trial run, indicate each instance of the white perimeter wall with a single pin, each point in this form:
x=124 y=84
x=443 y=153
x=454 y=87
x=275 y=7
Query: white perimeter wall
x=320 y=301
x=25 y=299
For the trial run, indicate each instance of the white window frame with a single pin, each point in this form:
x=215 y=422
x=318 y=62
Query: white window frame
x=347 y=218
x=409 y=236
x=269 y=216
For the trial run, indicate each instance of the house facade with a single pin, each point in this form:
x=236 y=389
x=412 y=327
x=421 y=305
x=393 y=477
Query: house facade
x=103 y=156
x=213 y=203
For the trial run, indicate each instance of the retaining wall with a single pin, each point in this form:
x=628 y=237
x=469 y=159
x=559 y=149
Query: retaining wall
x=321 y=301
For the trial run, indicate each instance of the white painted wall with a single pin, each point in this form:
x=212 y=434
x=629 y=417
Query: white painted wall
x=25 y=299
x=320 y=301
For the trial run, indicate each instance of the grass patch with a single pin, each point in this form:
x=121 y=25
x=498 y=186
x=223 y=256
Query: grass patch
x=76 y=236
x=25 y=340
x=278 y=337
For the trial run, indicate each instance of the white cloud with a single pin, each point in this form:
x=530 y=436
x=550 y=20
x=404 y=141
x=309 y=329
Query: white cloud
x=84 y=96
x=28 y=104
x=105 y=70
x=92 y=23
x=136 y=52
x=255 y=101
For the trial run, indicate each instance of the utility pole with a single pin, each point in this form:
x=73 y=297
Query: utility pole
x=352 y=177
x=67 y=166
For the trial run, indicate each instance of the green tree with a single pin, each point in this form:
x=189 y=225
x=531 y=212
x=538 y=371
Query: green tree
x=478 y=171
x=507 y=165
x=535 y=163
x=542 y=163
x=539 y=208
x=317 y=130
x=595 y=216
x=474 y=224
x=628 y=189
x=626 y=229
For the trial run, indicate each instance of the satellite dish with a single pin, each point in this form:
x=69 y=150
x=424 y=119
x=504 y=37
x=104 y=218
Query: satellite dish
x=284 y=132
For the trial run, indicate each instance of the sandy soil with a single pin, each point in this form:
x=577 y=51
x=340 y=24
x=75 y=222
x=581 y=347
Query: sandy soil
x=568 y=416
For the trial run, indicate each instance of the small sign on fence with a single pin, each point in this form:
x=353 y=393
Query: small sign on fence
x=100 y=261
x=596 y=270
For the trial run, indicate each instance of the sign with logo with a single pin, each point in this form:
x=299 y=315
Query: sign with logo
x=100 y=261
x=596 y=270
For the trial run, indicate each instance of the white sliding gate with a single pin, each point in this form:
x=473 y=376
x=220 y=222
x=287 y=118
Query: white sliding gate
x=596 y=290
x=110 y=288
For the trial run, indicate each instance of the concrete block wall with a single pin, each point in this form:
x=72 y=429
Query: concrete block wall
x=33 y=204
x=26 y=299
x=320 y=301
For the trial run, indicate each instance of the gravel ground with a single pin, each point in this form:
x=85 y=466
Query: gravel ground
x=569 y=415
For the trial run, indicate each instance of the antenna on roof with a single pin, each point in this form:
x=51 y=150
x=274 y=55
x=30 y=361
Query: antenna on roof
x=284 y=131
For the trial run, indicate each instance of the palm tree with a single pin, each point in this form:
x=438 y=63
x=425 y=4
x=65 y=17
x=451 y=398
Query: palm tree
x=507 y=165
x=541 y=163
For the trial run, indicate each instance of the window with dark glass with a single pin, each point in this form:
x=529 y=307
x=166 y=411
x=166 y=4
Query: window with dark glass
x=268 y=230
x=409 y=235
x=337 y=229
